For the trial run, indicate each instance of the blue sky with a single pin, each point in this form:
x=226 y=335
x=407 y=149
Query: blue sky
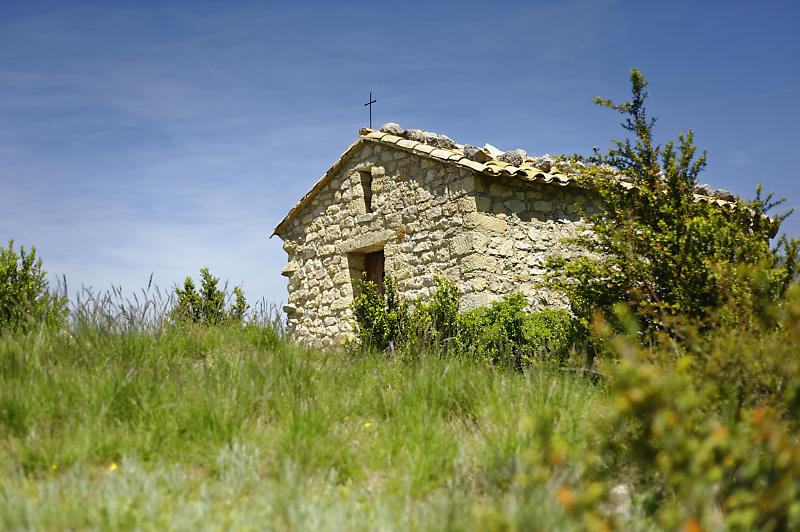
x=162 y=137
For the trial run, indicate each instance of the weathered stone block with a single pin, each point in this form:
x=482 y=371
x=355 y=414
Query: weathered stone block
x=501 y=246
x=341 y=277
x=290 y=268
x=340 y=304
x=475 y=300
x=491 y=223
x=467 y=204
x=476 y=262
x=394 y=219
x=433 y=213
x=464 y=185
x=422 y=194
x=478 y=284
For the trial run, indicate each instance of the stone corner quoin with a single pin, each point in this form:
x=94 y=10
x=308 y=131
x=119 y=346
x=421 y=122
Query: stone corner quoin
x=413 y=214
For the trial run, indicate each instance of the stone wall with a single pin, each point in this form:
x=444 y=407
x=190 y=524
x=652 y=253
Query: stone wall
x=504 y=244
x=489 y=235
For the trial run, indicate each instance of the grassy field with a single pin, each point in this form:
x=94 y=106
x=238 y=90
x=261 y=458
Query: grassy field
x=235 y=428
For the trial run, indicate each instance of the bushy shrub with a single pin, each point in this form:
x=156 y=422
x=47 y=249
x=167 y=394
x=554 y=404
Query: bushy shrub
x=26 y=300
x=683 y=441
x=437 y=322
x=654 y=246
x=505 y=332
x=691 y=464
x=209 y=305
x=501 y=333
x=382 y=319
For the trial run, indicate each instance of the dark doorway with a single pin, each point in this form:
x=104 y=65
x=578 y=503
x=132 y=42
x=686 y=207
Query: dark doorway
x=373 y=266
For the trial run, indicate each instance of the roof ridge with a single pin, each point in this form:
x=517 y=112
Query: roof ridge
x=491 y=155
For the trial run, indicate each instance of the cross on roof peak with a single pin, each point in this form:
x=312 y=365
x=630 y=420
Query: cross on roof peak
x=369 y=103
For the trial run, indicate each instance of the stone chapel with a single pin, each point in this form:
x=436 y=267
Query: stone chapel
x=415 y=204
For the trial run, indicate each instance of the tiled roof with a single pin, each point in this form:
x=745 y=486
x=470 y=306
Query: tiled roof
x=455 y=155
x=525 y=171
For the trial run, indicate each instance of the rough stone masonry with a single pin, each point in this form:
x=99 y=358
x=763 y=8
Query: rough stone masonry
x=414 y=204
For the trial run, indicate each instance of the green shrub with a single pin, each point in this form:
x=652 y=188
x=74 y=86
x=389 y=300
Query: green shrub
x=437 y=321
x=26 y=300
x=553 y=333
x=501 y=333
x=382 y=319
x=655 y=247
x=505 y=332
x=698 y=434
x=741 y=473
x=497 y=333
x=209 y=305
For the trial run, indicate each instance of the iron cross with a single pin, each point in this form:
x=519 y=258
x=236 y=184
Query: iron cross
x=369 y=103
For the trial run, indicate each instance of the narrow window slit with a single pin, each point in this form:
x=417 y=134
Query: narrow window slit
x=366 y=185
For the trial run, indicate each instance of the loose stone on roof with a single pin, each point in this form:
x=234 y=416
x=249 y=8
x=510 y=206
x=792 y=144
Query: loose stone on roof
x=392 y=129
x=474 y=153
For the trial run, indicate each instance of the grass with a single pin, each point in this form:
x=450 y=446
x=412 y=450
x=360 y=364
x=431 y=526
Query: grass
x=153 y=427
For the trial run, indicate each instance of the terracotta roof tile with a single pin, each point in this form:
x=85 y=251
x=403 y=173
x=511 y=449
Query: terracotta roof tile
x=424 y=148
x=405 y=143
x=391 y=139
x=478 y=167
x=441 y=154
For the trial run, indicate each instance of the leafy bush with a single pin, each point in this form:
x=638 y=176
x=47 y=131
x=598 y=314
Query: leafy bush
x=26 y=300
x=503 y=332
x=739 y=472
x=438 y=321
x=210 y=305
x=656 y=248
x=382 y=319
x=683 y=440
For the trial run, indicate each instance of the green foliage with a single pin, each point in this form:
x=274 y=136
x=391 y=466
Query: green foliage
x=26 y=301
x=502 y=333
x=438 y=320
x=553 y=333
x=238 y=310
x=653 y=245
x=693 y=435
x=382 y=318
x=208 y=306
x=498 y=331
x=737 y=470
x=505 y=332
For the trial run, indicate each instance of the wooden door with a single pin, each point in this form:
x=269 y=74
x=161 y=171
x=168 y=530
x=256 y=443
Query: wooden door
x=374 y=268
